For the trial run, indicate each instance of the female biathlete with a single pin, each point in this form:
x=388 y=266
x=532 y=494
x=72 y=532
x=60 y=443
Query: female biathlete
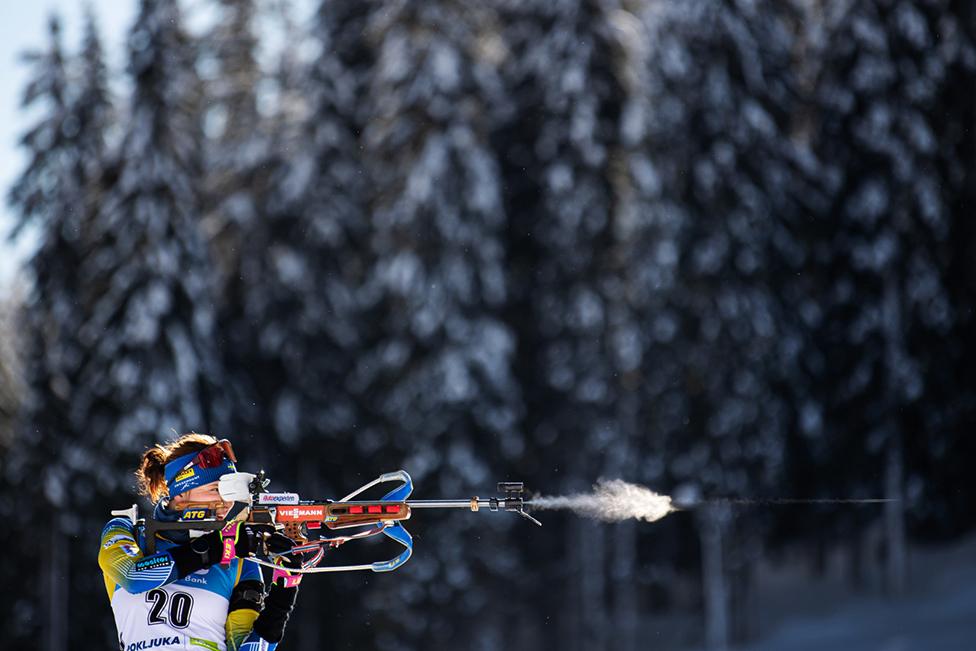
x=199 y=590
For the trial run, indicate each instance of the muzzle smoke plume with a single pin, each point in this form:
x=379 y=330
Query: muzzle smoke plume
x=612 y=500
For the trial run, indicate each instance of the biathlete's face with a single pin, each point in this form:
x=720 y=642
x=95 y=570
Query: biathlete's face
x=206 y=494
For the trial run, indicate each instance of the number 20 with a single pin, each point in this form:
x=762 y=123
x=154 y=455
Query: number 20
x=180 y=605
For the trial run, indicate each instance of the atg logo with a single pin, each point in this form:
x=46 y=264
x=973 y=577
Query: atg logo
x=195 y=514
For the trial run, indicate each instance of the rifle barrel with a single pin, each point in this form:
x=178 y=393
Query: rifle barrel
x=473 y=504
x=445 y=504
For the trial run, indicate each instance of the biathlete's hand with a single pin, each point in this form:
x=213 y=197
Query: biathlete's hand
x=280 y=600
x=236 y=540
x=240 y=540
x=282 y=576
x=281 y=544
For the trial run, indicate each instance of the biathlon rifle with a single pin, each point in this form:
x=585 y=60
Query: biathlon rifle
x=316 y=525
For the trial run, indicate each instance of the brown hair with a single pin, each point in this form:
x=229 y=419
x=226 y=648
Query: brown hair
x=151 y=473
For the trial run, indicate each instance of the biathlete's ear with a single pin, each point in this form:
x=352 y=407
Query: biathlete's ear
x=235 y=487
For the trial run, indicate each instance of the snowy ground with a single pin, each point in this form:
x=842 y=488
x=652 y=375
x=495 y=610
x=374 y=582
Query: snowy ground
x=939 y=613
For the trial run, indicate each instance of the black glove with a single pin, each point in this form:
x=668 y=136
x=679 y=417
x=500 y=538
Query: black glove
x=280 y=600
x=279 y=543
x=278 y=605
x=207 y=550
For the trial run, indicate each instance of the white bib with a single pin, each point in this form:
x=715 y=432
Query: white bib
x=187 y=614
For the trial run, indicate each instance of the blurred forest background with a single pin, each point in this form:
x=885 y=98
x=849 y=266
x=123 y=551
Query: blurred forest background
x=715 y=247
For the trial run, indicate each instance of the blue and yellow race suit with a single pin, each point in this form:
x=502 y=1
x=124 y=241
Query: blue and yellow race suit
x=213 y=608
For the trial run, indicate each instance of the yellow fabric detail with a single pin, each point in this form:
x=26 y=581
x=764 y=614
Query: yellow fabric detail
x=109 y=586
x=239 y=624
x=114 y=561
x=240 y=568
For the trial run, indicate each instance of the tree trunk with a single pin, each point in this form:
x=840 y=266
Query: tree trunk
x=592 y=607
x=896 y=359
x=820 y=558
x=896 y=558
x=310 y=598
x=745 y=547
x=623 y=576
x=712 y=527
x=625 y=587
x=56 y=580
x=855 y=556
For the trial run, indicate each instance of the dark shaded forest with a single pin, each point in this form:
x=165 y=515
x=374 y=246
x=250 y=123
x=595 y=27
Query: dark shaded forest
x=720 y=248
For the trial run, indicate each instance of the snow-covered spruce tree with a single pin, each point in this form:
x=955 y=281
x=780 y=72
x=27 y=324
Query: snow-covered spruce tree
x=561 y=152
x=236 y=149
x=343 y=33
x=289 y=324
x=242 y=152
x=437 y=370
x=882 y=355
x=710 y=181
x=232 y=45
x=49 y=197
x=11 y=365
x=14 y=498
x=151 y=362
x=634 y=308
x=54 y=197
x=944 y=464
x=93 y=105
x=298 y=268
x=12 y=385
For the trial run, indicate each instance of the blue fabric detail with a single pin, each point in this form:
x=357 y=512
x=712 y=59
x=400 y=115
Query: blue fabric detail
x=251 y=572
x=255 y=642
x=216 y=579
x=174 y=467
x=163 y=514
x=180 y=480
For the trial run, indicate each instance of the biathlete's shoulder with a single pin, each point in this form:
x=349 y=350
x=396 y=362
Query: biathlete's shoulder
x=118 y=525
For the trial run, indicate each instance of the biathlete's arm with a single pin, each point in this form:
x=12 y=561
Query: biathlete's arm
x=255 y=621
x=246 y=602
x=123 y=562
